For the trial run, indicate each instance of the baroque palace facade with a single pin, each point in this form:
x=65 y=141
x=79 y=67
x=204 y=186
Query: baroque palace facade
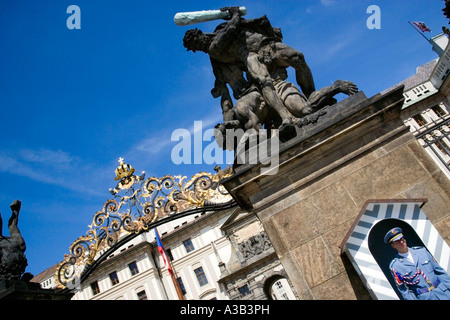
x=197 y=248
x=226 y=254
x=216 y=255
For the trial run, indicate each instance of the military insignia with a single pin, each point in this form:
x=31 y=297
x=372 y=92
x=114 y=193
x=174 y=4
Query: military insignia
x=398 y=278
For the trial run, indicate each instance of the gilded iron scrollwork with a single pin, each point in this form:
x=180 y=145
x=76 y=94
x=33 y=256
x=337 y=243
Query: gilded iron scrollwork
x=137 y=204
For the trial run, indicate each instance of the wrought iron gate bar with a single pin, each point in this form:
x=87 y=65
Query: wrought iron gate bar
x=434 y=137
x=88 y=269
x=430 y=129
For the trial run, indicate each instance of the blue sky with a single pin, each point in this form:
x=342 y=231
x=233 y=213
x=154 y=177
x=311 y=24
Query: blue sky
x=74 y=101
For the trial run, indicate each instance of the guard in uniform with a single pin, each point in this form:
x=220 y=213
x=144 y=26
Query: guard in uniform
x=417 y=274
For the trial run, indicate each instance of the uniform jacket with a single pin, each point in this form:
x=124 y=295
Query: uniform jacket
x=424 y=279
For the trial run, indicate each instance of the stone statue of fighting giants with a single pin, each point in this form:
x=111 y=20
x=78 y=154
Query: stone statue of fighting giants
x=12 y=249
x=248 y=56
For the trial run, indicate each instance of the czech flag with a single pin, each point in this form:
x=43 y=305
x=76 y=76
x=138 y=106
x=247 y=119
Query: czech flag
x=421 y=26
x=163 y=252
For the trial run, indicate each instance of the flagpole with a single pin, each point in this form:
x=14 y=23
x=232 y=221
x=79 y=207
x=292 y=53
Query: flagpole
x=171 y=269
x=421 y=33
x=176 y=283
x=173 y=275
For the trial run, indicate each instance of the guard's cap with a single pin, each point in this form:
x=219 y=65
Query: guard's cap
x=393 y=235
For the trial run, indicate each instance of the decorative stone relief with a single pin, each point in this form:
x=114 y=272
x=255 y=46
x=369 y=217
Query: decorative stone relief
x=254 y=245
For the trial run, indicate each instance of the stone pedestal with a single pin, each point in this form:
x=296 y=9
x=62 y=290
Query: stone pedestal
x=359 y=150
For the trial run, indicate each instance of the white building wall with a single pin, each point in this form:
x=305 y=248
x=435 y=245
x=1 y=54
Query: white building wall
x=129 y=285
x=433 y=120
x=205 y=255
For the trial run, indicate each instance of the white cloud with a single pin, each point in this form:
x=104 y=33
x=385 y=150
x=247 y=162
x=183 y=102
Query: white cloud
x=152 y=145
x=153 y=152
x=336 y=46
x=46 y=156
x=327 y=3
x=50 y=167
x=156 y=143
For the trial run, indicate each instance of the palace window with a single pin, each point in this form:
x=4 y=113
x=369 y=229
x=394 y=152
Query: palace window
x=133 y=268
x=188 y=245
x=420 y=120
x=142 y=295
x=95 y=288
x=180 y=282
x=438 y=111
x=438 y=142
x=279 y=285
x=244 y=291
x=114 y=278
x=169 y=254
x=201 y=276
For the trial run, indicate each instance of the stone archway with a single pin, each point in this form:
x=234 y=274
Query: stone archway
x=277 y=287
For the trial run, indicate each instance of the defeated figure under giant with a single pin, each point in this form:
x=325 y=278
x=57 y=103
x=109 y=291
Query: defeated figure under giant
x=248 y=56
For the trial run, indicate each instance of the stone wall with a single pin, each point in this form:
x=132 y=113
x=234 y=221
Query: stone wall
x=325 y=176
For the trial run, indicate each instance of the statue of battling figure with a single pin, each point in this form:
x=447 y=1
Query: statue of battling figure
x=249 y=57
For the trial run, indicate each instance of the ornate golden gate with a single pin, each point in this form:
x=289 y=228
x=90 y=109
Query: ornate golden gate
x=139 y=205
